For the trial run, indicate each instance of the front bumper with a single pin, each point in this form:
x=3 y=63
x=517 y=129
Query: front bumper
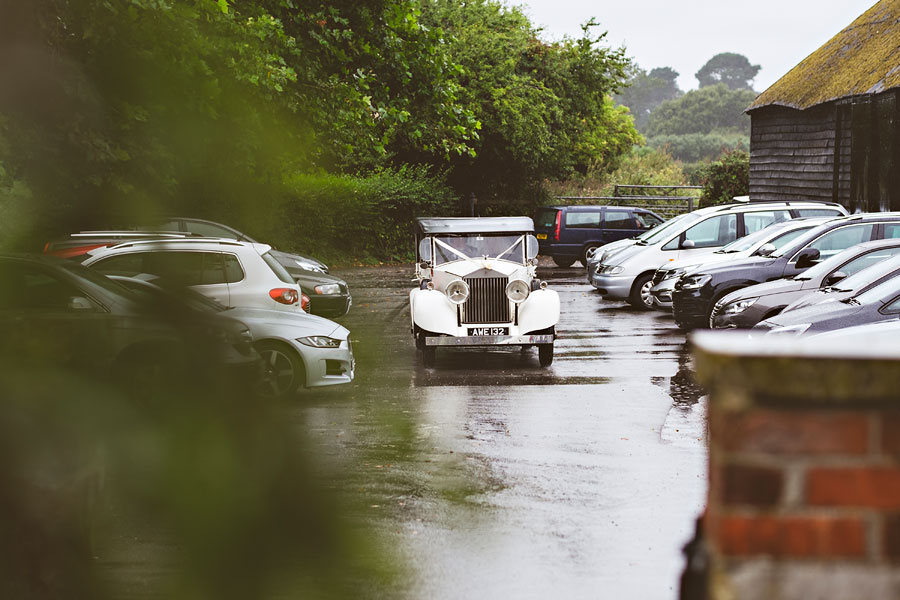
x=690 y=309
x=613 y=286
x=328 y=366
x=662 y=293
x=329 y=306
x=489 y=340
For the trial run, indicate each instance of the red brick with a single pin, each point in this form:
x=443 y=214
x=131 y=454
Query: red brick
x=745 y=485
x=868 y=487
x=795 y=537
x=890 y=433
x=795 y=432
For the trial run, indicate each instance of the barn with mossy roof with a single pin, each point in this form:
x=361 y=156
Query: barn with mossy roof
x=830 y=128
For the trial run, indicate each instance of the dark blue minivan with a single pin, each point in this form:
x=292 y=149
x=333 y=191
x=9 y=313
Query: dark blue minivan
x=567 y=233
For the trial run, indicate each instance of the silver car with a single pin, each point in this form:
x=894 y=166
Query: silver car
x=628 y=274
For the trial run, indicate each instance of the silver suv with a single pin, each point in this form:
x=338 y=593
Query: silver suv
x=628 y=273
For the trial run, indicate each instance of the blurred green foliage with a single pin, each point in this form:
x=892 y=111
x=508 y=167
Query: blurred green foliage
x=700 y=147
x=709 y=109
x=114 y=112
x=645 y=91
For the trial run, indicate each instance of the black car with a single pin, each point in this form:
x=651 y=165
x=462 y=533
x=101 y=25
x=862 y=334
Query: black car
x=570 y=233
x=695 y=294
x=880 y=303
x=747 y=307
x=329 y=296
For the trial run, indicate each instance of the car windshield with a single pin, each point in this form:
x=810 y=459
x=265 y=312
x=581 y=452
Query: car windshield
x=882 y=291
x=461 y=247
x=799 y=242
x=97 y=279
x=864 y=277
x=855 y=260
x=749 y=241
x=166 y=294
x=653 y=235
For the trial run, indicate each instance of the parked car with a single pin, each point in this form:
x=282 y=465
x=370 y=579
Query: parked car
x=601 y=254
x=298 y=350
x=58 y=313
x=696 y=294
x=628 y=274
x=880 y=303
x=232 y=273
x=77 y=245
x=867 y=336
x=747 y=307
x=329 y=295
x=851 y=285
x=477 y=287
x=760 y=243
x=570 y=233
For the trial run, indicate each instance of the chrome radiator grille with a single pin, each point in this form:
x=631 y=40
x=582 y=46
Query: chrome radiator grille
x=487 y=301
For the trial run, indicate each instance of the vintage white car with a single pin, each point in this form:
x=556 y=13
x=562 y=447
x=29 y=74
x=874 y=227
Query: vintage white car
x=477 y=287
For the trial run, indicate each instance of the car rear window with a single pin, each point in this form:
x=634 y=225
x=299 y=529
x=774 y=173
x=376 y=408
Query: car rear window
x=545 y=218
x=279 y=270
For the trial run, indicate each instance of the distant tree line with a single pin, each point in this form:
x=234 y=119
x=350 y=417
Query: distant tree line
x=700 y=124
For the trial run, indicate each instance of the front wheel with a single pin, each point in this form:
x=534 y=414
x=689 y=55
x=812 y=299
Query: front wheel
x=284 y=372
x=564 y=261
x=588 y=252
x=640 y=296
x=428 y=356
x=545 y=354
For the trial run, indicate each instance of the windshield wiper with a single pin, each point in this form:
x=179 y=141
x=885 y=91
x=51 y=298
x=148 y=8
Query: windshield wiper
x=641 y=243
x=851 y=301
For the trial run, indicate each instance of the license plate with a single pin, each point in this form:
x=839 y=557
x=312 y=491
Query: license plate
x=488 y=330
x=541 y=236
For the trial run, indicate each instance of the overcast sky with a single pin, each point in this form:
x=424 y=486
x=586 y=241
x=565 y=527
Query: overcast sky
x=775 y=34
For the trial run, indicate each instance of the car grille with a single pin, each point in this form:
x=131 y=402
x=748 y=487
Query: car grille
x=659 y=275
x=715 y=311
x=487 y=301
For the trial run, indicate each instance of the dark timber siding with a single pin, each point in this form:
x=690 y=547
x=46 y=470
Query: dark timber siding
x=792 y=153
x=846 y=151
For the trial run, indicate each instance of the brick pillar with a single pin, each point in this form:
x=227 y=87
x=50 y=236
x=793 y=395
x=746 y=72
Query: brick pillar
x=804 y=451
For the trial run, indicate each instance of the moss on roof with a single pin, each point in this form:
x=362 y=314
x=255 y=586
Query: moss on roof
x=864 y=58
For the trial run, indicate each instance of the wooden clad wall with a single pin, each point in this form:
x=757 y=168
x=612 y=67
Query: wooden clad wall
x=792 y=154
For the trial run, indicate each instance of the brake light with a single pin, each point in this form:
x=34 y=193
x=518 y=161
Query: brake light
x=304 y=302
x=284 y=295
x=558 y=220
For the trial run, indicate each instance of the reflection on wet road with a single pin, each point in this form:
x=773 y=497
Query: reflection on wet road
x=491 y=476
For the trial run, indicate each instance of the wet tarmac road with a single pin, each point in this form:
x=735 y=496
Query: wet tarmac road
x=492 y=477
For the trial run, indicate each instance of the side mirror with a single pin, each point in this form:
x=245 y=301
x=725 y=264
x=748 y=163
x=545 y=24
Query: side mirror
x=425 y=250
x=765 y=250
x=807 y=258
x=688 y=244
x=833 y=278
x=531 y=247
x=78 y=303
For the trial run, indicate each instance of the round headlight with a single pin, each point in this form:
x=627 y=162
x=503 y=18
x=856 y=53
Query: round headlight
x=517 y=290
x=457 y=291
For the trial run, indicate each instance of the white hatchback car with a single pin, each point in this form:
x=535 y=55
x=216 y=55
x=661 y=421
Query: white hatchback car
x=232 y=273
x=477 y=287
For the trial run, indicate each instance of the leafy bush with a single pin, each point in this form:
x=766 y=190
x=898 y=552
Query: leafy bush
x=696 y=147
x=341 y=217
x=725 y=178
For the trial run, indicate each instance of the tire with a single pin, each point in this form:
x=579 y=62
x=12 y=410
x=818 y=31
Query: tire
x=584 y=253
x=640 y=292
x=564 y=261
x=284 y=374
x=428 y=356
x=545 y=354
x=420 y=341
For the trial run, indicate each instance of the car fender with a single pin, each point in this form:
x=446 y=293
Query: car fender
x=432 y=311
x=539 y=311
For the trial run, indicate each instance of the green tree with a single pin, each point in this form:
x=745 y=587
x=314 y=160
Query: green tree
x=545 y=108
x=645 y=91
x=734 y=70
x=712 y=108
